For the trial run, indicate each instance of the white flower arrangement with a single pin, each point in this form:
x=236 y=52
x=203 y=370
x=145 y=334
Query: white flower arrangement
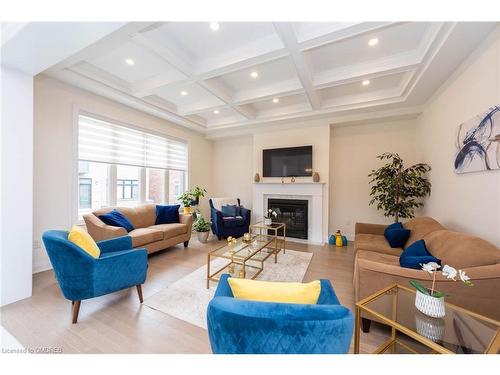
x=270 y=214
x=447 y=271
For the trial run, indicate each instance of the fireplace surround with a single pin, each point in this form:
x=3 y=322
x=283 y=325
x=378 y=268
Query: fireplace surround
x=292 y=212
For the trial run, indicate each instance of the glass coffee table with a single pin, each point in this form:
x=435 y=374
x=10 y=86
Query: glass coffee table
x=460 y=331
x=279 y=240
x=244 y=259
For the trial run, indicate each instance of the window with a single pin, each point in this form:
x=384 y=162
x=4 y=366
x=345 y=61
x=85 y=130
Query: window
x=122 y=166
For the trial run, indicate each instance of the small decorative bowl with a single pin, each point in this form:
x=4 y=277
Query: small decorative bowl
x=247 y=237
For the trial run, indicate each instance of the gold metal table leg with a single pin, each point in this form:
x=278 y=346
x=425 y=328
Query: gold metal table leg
x=208 y=271
x=357 y=330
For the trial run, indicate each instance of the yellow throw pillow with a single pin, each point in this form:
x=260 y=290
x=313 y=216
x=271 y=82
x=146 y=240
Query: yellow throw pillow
x=267 y=291
x=82 y=239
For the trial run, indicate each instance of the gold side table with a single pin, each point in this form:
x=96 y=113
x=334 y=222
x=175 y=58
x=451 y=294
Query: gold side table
x=460 y=331
x=279 y=241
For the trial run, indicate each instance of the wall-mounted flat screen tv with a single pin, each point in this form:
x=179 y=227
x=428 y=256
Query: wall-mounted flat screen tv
x=287 y=162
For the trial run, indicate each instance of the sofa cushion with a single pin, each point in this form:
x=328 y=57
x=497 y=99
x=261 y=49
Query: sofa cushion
x=116 y=219
x=461 y=250
x=233 y=221
x=374 y=242
x=415 y=255
x=141 y=216
x=420 y=227
x=171 y=230
x=229 y=210
x=219 y=202
x=397 y=237
x=143 y=236
x=168 y=214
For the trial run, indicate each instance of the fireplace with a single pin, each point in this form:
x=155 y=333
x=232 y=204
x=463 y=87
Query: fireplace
x=292 y=212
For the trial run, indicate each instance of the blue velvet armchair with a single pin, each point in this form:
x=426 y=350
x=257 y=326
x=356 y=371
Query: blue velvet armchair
x=238 y=326
x=224 y=227
x=80 y=276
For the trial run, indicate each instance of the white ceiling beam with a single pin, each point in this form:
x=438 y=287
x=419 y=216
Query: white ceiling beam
x=287 y=35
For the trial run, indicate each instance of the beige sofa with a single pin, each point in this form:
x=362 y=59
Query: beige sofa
x=376 y=264
x=146 y=234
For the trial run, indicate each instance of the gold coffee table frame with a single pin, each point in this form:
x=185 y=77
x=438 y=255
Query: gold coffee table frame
x=279 y=243
x=493 y=342
x=239 y=255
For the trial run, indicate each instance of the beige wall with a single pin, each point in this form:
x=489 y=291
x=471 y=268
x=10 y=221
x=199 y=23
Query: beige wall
x=55 y=152
x=232 y=166
x=353 y=155
x=470 y=201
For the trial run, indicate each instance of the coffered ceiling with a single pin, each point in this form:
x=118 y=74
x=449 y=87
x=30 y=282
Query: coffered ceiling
x=229 y=75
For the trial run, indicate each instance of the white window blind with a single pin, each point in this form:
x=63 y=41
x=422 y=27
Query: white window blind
x=101 y=141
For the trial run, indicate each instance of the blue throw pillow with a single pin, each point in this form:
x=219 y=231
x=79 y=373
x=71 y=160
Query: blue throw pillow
x=415 y=255
x=168 y=214
x=117 y=219
x=397 y=225
x=229 y=210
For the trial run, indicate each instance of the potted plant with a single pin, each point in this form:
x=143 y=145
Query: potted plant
x=197 y=193
x=430 y=301
x=268 y=217
x=202 y=228
x=396 y=189
x=187 y=200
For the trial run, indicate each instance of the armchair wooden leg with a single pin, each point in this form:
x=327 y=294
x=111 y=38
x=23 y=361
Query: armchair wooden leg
x=76 y=310
x=186 y=243
x=139 y=292
x=365 y=325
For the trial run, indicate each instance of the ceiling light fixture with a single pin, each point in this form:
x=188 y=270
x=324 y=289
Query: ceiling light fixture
x=254 y=74
x=366 y=82
x=276 y=100
x=129 y=62
x=373 y=42
x=184 y=93
x=214 y=26
x=216 y=111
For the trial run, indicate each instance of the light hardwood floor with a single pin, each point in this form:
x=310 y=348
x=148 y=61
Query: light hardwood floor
x=117 y=323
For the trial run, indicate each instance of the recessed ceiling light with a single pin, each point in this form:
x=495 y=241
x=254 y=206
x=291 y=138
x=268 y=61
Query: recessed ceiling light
x=214 y=26
x=216 y=111
x=366 y=82
x=184 y=93
x=254 y=74
x=276 y=100
x=373 y=42
x=129 y=61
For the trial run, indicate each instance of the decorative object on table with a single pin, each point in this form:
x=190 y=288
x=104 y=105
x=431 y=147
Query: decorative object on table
x=238 y=326
x=256 y=178
x=331 y=239
x=478 y=143
x=430 y=301
x=397 y=189
x=231 y=241
x=202 y=228
x=338 y=238
x=292 y=179
x=247 y=237
x=315 y=177
x=432 y=328
x=191 y=198
x=240 y=274
x=268 y=217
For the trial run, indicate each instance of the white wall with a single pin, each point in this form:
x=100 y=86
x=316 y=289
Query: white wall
x=232 y=166
x=16 y=185
x=468 y=202
x=55 y=152
x=354 y=151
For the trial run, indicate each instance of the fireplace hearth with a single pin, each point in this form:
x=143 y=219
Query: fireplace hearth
x=292 y=212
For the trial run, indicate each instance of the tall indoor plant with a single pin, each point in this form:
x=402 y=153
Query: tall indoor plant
x=397 y=189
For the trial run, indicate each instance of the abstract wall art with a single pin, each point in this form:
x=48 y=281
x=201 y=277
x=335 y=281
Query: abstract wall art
x=478 y=143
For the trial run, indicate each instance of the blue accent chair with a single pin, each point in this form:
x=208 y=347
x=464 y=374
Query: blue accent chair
x=237 y=326
x=224 y=227
x=80 y=276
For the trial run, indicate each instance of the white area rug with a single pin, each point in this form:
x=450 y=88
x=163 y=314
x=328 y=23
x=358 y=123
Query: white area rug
x=187 y=299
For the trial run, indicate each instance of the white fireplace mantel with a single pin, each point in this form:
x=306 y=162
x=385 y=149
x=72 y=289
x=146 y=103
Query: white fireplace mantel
x=313 y=192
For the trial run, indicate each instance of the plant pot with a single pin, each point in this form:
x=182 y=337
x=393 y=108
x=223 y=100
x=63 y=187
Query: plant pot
x=267 y=221
x=203 y=236
x=432 y=328
x=186 y=210
x=430 y=306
